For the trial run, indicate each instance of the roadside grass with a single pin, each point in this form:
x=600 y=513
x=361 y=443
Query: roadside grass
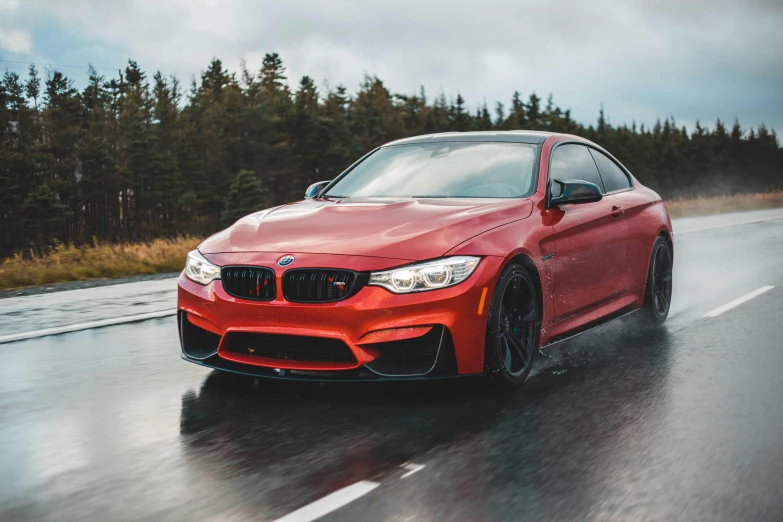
x=103 y=261
x=689 y=207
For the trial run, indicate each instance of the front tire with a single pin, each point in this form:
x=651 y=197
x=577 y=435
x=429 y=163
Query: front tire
x=513 y=328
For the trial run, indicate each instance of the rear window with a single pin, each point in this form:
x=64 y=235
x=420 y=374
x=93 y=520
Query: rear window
x=613 y=176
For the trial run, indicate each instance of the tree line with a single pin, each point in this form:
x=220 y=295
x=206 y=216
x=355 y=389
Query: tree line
x=133 y=158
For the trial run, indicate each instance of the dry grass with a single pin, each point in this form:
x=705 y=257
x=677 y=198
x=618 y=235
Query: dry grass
x=69 y=263
x=718 y=205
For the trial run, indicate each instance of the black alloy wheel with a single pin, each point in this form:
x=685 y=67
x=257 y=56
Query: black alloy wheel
x=513 y=327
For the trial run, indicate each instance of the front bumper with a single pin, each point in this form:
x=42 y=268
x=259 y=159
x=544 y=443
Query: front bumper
x=369 y=323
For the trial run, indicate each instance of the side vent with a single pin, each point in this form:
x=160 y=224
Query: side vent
x=196 y=342
x=410 y=357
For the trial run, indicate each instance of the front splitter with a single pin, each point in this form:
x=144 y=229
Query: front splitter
x=360 y=374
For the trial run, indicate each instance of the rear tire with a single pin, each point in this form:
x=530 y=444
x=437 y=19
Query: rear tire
x=658 y=295
x=513 y=328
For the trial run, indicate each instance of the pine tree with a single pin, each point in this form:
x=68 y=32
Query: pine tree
x=44 y=216
x=376 y=119
x=460 y=117
x=342 y=149
x=60 y=168
x=33 y=85
x=309 y=137
x=500 y=116
x=517 y=119
x=140 y=191
x=167 y=144
x=99 y=171
x=267 y=124
x=483 y=119
x=246 y=196
x=533 y=110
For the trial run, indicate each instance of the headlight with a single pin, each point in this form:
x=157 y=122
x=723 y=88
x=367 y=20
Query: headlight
x=198 y=269
x=440 y=273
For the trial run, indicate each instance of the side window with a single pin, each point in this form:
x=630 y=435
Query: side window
x=613 y=176
x=573 y=161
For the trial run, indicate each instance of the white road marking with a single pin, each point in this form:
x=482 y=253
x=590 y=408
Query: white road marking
x=85 y=326
x=330 y=502
x=738 y=301
x=412 y=468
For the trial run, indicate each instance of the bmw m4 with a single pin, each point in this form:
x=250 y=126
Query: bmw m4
x=434 y=256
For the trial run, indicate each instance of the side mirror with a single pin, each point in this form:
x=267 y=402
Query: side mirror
x=315 y=189
x=574 y=191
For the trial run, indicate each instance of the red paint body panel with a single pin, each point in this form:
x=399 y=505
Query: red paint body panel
x=590 y=250
x=591 y=259
x=377 y=227
x=394 y=334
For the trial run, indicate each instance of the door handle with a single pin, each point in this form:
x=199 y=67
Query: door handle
x=617 y=212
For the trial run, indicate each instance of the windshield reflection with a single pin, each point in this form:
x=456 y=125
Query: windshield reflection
x=469 y=170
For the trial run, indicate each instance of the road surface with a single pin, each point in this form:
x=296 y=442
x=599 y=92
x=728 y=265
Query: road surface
x=680 y=423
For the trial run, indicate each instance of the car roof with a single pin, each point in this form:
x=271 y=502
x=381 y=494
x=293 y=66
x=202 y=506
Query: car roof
x=513 y=136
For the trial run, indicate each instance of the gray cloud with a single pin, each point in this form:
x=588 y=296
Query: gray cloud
x=691 y=59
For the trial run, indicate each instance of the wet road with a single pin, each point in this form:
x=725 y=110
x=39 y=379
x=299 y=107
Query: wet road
x=680 y=423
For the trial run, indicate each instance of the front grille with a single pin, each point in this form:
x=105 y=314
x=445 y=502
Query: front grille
x=288 y=347
x=249 y=282
x=196 y=342
x=319 y=285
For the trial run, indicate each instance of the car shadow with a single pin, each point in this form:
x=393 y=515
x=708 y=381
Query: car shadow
x=318 y=437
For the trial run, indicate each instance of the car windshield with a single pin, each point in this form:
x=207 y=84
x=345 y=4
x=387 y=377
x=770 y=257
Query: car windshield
x=441 y=170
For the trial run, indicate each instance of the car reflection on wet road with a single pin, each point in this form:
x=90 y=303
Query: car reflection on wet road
x=680 y=423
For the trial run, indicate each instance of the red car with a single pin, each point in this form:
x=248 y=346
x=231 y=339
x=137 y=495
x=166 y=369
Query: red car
x=433 y=256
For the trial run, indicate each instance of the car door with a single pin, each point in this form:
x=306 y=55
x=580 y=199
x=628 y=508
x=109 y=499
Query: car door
x=590 y=238
x=620 y=192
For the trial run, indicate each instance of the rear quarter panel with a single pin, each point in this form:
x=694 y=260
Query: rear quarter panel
x=647 y=217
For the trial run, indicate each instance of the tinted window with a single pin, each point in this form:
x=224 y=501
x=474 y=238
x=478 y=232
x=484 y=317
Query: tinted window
x=613 y=176
x=468 y=170
x=573 y=162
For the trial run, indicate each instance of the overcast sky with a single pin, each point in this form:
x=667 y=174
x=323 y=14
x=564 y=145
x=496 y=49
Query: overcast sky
x=691 y=59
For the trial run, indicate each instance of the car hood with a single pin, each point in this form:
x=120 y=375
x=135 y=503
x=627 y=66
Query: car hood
x=410 y=229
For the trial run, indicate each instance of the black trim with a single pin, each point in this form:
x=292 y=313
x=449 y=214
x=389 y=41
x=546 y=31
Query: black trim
x=356 y=375
x=582 y=329
x=286 y=348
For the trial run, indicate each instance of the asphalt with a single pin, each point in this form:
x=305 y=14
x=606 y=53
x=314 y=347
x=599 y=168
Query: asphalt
x=684 y=422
